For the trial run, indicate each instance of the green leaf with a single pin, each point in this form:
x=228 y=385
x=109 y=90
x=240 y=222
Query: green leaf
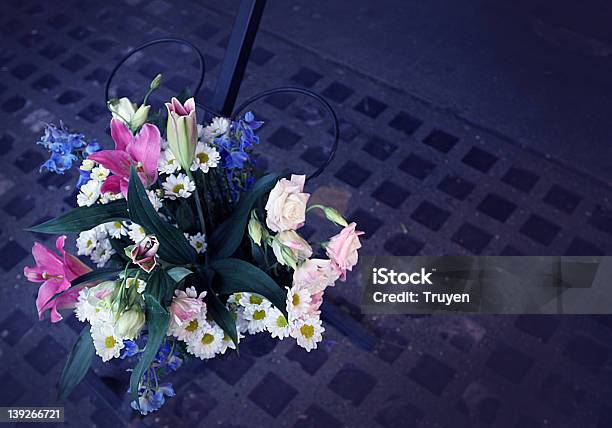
x=179 y=273
x=221 y=315
x=185 y=218
x=173 y=246
x=158 y=319
x=83 y=218
x=238 y=276
x=98 y=275
x=227 y=238
x=78 y=363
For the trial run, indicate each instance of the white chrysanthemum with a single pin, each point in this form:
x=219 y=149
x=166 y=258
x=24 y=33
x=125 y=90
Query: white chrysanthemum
x=154 y=199
x=89 y=193
x=188 y=330
x=277 y=324
x=242 y=324
x=208 y=341
x=168 y=163
x=227 y=342
x=217 y=127
x=99 y=173
x=136 y=232
x=257 y=316
x=198 y=241
x=140 y=284
x=115 y=229
x=236 y=298
x=298 y=302
x=206 y=157
x=83 y=309
x=178 y=186
x=86 y=242
x=252 y=299
x=107 y=197
x=87 y=165
x=102 y=253
x=108 y=345
x=308 y=331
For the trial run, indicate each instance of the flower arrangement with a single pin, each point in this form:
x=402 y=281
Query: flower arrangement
x=193 y=248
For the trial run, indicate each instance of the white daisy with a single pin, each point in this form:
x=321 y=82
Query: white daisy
x=115 y=229
x=108 y=345
x=136 y=232
x=198 y=241
x=99 y=173
x=308 y=332
x=107 y=197
x=89 y=193
x=86 y=242
x=257 y=316
x=227 y=342
x=83 y=309
x=168 y=163
x=178 y=186
x=277 y=324
x=236 y=298
x=217 y=127
x=207 y=343
x=87 y=165
x=140 y=284
x=102 y=253
x=188 y=330
x=298 y=302
x=242 y=324
x=154 y=199
x=206 y=157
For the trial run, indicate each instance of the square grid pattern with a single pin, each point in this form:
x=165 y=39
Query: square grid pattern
x=417 y=180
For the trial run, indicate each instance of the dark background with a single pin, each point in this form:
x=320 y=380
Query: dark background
x=472 y=127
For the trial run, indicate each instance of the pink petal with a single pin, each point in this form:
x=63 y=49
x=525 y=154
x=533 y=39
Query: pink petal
x=190 y=105
x=146 y=149
x=178 y=108
x=46 y=291
x=74 y=267
x=45 y=259
x=112 y=184
x=115 y=160
x=121 y=134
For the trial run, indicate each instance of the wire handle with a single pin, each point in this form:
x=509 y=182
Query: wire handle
x=156 y=42
x=308 y=93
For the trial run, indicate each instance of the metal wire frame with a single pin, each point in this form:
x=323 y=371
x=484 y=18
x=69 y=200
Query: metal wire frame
x=200 y=56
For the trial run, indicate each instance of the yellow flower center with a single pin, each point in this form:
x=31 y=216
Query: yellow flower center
x=307 y=331
x=178 y=187
x=117 y=224
x=295 y=299
x=259 y=315
x=202 y=157
x=281 y=321
x=110 y=342
x=192 y=326
x=256 y=300
x=207 y=339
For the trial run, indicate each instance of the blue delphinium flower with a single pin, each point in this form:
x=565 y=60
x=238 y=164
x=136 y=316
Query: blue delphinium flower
x=152 y=393
x=65 y=147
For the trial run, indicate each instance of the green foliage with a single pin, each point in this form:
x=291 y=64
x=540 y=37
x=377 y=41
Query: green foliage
x=173 y=246
x=83 y=218
x=78 y=363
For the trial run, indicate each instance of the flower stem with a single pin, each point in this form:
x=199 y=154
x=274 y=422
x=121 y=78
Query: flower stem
x=198 y=204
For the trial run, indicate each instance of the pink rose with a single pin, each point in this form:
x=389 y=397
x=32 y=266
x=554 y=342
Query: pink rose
x=342 y=249
x=315 y=275
x=186 y=305
x=286 y=206
x=143 y=254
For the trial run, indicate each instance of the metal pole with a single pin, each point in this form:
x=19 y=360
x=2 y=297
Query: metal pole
x=237 y=55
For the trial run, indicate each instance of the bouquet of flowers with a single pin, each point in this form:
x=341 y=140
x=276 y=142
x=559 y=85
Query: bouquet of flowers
x=193 y=248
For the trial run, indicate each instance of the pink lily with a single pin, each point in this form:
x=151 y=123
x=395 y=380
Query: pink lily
x=186 y=305
x=143 y=253
x=56 y=273
x=142 y=150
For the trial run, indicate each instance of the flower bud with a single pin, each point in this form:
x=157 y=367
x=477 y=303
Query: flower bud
x=290 y=248
x=144 y=253
x=156 y=82
x=182 y=131
x=122 y=109
x=130 y=323
x=332 y=214
x=140 y=117
x=256 y=230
